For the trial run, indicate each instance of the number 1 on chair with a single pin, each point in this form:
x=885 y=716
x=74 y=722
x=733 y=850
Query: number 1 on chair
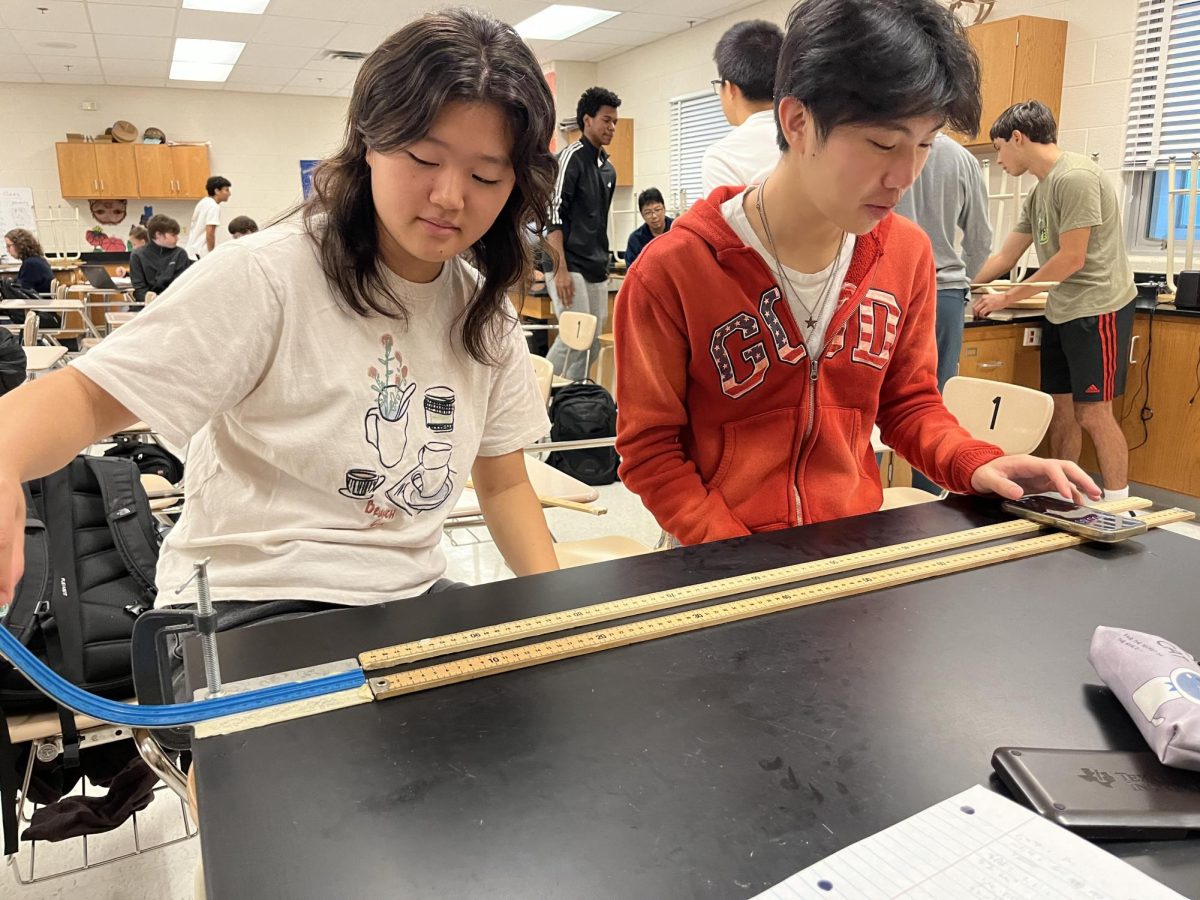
x=995 y=413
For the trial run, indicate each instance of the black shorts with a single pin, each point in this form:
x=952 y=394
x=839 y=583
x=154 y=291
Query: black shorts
x=1087 y=358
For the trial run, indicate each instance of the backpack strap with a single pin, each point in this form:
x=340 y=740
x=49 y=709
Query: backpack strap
x=33 y=591
x=8 y=788
x=129 y=518
x=61 y=624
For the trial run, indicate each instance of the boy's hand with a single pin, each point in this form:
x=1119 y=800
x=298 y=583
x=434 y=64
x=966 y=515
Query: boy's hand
x=565 y=287
x=1012 y=477
x=986 y=304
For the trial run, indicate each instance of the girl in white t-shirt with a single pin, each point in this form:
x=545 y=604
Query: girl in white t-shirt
x=337 y=378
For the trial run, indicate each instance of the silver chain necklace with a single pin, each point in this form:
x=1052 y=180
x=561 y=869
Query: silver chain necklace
x=811 y=321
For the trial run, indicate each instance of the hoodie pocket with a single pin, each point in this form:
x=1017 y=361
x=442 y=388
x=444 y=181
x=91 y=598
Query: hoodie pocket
x=754 y=474
x=836 y=480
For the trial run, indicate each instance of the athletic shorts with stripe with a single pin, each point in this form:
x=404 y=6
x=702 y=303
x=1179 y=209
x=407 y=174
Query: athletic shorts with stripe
x=1087 y=358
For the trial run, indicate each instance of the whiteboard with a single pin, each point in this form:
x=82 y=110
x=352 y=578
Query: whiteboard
x=16 y=210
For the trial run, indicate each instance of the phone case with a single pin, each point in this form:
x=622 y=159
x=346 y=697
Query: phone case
x=1103 y=794
x=1090 y=532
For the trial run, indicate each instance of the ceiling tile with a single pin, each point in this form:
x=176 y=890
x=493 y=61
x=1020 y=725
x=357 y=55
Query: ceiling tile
x=56 y=65
x=331 y=81
x=581 y=51
x=304 y=89
x=115 y=46
x=253 y=88
x=363 y=38
x=135 y=81
x=295 y=32
x=173 y=4
x=345 y=66
x=243 y=74
x=604 y=35
x=312 y=9
x=640 y=21
x=151 y=21
x=33 y=43
x=23 y=78
x=381 y=12
x=72 y=78
x=276 y=56
x=15 y=64
x=60 y=15
x=8 y=43
x=216 y=26
x=140 y=68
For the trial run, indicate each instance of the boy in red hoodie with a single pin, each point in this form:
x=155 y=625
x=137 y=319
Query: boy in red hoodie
x=760 y=339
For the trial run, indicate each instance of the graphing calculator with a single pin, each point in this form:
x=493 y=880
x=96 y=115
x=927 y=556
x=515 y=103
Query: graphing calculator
x=1084 y=521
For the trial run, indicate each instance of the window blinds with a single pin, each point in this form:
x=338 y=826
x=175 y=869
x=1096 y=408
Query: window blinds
x=1164 y=93
x=697 y=122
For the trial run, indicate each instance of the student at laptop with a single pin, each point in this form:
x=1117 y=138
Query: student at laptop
x=155 y=266
x=35 y=272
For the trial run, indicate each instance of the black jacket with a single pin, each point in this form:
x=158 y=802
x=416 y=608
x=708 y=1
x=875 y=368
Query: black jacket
x=639 y=239
x=35 y=273
x=153 y=268
x=583 y=192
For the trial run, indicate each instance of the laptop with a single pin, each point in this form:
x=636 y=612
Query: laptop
x=98 y=277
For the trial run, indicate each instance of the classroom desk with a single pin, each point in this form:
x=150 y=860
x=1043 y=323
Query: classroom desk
x=710 y=764
x=53 y=306
x=42 y=359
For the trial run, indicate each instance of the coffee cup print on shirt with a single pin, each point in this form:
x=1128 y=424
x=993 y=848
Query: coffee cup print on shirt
x=386 y=424
x=439 y=409
x=429 y=484
x=361 y=483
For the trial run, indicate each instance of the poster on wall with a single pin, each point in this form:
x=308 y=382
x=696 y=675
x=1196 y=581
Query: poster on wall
x=307 y=167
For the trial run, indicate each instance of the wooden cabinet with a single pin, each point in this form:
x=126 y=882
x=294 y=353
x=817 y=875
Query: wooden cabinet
x=620 y=151
x=77 y=170
x=92 y=171
x=171 y=172
x=987 y=355
x=89 y=171
x=1021 y=59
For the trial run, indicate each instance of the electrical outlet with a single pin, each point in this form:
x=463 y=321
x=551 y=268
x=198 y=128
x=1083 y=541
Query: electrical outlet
x=1032 y=338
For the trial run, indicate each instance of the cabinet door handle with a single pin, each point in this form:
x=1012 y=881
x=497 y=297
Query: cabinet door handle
x=95 y=185
x=997 y=364
x=1132 y=345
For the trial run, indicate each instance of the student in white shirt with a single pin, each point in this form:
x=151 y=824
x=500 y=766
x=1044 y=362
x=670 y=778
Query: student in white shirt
x=746 y=56
x=202 y=233
x=371 y=371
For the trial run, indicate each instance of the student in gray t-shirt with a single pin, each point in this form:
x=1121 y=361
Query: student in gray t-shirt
x=949 y=197
x=1073 y=219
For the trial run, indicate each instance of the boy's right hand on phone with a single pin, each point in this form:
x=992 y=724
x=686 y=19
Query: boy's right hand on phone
x=12 y=537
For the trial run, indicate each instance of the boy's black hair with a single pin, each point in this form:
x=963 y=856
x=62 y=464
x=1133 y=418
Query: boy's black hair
x=242 y=225
x=590 y=102
x=858 y=62
x=1032 y=118
x=215 y=184
x=747 y=54
x=160 y=224
x=650 y=195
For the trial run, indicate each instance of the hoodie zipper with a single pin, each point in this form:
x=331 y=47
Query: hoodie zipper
x=813 y=366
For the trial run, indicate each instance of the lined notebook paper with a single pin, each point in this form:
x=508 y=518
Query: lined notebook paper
x=976 y=844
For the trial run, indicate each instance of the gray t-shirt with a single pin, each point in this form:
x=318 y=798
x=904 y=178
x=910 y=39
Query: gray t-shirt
x=1076 y=194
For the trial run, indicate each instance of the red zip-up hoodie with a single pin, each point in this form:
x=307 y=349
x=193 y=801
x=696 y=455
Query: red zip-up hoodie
x=729 y=424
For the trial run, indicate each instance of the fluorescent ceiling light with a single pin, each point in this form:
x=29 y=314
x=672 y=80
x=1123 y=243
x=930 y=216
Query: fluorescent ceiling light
x=256 y=7
x=555 y=23
x=192 y=71
x=197 y=60
x=191 y=50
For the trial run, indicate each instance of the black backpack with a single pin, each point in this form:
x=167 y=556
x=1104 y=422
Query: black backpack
x=12 y=361
x=151 y=459
x=583 y=410
x=10 y=290
x=91 y=548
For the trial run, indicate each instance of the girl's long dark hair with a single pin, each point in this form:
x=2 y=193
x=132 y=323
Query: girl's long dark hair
x=447 y=56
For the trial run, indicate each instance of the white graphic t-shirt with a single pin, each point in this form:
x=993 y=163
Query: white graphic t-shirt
x=324 y=449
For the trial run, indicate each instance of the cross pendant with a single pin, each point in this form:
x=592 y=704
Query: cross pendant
x=811 y=323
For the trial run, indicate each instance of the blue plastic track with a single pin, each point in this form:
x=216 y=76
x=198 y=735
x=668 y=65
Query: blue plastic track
x=62 y=691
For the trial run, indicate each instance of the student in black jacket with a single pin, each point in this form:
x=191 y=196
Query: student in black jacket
x=35 y=272
x=654 y=213
x=154 y=266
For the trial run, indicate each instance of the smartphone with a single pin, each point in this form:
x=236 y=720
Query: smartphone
x=1084 y=521
x=1103 y=794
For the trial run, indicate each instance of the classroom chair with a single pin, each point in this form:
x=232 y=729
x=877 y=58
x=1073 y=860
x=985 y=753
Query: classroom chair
x=543 y=371
x=578 y=331
x=29 y=336
x=1012 y=417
